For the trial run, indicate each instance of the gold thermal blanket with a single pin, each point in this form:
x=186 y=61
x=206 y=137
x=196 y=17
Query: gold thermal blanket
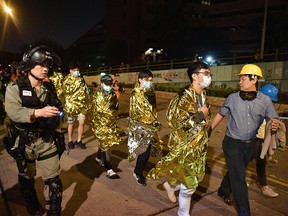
x=188 y=142
x=104 y=110
x=143 y=124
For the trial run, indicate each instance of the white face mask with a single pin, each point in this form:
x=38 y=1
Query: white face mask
x=147 y=85
x=75 y=73
x=206 y=82
x=107 y=88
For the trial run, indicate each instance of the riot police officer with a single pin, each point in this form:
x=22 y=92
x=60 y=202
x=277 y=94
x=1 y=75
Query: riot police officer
x=34 y=110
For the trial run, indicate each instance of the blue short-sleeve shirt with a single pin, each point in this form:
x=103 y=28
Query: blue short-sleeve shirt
x=245 y=117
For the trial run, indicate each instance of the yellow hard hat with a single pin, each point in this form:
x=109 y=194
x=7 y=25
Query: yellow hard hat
x=252 y=70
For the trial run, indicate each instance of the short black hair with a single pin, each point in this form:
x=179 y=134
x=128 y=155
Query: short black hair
x=195 y=67
x=145 y=74
x=74 y=65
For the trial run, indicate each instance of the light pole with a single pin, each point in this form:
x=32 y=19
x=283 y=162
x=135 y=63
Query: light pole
x=263 y=31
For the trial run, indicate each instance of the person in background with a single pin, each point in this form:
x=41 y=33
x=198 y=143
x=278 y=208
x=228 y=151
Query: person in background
x=188 y=117
x=272 y=92
x=117 y=88
x=245 y=110
x=104 y=108
x=34 y=110
x=94 y=87
x=143 y=125
x=76 y=95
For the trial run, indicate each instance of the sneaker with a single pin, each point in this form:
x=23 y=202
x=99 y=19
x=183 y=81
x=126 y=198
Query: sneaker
x=100 y=161
x=71 y=145
x=112 y=175
x=170 y=192
x=141 y=180
x=269 y=192
x=80 y=144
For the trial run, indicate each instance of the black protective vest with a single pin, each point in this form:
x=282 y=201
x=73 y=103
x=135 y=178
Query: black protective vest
x=30 y=100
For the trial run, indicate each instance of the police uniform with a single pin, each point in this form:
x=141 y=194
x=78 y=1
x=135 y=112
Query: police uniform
x=34 y=139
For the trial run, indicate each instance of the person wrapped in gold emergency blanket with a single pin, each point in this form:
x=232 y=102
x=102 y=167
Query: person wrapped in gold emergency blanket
x=57 y=80
x=188 y=117
x=104 y=110
x=143 y=125
x=76 y=96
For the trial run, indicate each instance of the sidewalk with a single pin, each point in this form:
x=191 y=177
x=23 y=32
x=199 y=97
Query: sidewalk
x=87 y=190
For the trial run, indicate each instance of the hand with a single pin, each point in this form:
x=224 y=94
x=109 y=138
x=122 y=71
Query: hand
x=205 y=110
x=274 y=125
x=47 y=112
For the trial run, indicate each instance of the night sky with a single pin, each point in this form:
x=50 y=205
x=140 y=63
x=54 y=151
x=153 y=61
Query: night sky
x=62 y=21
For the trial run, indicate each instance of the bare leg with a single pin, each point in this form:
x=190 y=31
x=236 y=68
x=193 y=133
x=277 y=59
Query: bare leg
x=70 y=132
x=80 y=130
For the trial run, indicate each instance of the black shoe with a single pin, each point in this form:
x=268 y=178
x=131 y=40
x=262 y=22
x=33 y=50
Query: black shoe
x=71 y=145
x=141 y=180
x=225 y=198
x=80 y=145
x=36 y=212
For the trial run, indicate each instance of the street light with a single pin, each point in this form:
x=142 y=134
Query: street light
x=8 y=10
x=263 y=31
x=10 y=16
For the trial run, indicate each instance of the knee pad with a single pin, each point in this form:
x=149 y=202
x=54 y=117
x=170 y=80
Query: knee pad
x=54 y=196
x=54 y=184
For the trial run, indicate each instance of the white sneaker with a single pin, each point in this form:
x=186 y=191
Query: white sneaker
x=112 y=175
x=269 y=192
x=170 y=192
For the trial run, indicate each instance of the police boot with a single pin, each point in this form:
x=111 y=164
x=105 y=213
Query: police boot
x=29 y=194
x=53 y=196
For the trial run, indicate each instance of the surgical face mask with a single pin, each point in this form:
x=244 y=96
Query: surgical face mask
x=206 y=81
x=75 y=73
x=147 y=85
x=107 y=88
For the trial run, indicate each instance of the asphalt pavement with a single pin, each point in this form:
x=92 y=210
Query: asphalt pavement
x=87 y=190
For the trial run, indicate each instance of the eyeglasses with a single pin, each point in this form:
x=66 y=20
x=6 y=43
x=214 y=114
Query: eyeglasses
x=206 y=73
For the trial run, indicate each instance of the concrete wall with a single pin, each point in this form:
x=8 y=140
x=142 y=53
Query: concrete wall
x=223 y=76
x=213 y=101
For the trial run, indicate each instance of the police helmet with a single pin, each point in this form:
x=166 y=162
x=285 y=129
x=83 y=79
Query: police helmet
x=41 y=55
x=271 y=91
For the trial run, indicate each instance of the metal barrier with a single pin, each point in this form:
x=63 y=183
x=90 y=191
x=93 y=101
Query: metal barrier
x=225 y=58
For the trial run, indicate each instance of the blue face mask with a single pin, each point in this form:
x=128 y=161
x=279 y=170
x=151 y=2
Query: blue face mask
x=75 y=73
x=107 y=88
x=147 y=85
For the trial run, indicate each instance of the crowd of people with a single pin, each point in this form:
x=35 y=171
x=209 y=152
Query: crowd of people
x=35 y=106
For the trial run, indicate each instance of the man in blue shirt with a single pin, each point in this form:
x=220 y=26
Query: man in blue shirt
x=245 y=111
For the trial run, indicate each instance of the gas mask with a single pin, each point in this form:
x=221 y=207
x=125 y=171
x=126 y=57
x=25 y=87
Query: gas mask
x=206 y=81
